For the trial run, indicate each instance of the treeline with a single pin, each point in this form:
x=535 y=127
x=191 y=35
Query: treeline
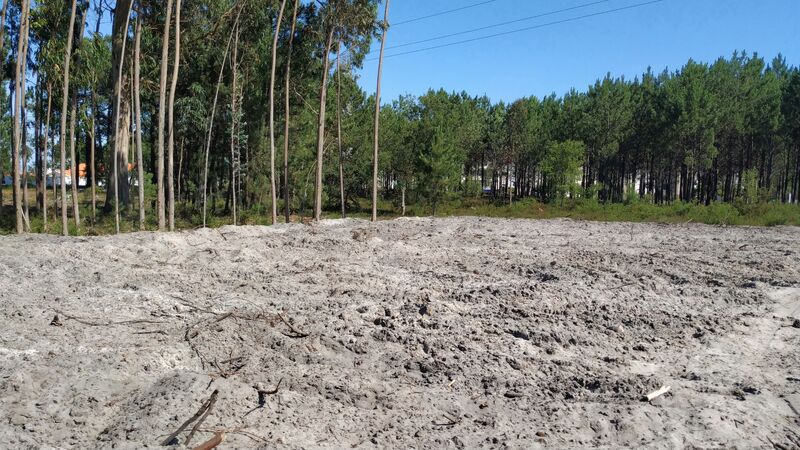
x=722 y=132
x=186 y=106
x=195 y=111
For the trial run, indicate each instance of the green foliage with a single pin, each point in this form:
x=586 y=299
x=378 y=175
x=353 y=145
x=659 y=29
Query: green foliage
x=562 y=167
x=440 y=169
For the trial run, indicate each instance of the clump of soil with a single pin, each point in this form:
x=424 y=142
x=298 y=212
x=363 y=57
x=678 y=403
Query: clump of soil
x=425 y=333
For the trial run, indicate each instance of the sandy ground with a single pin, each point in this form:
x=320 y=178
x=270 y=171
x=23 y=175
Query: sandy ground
x=412 y=333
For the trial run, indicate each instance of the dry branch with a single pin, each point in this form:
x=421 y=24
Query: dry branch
x=211 y=443
x=297 y=333
x=200 y=412
x=95 y=323
x=211 y=401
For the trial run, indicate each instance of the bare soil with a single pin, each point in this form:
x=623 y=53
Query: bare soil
x=423 y=333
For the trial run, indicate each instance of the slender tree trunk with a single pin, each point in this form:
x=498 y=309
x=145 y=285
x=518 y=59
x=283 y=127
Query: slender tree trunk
x=2 y=57
x=75 y=176
x=339 y=126
x=25 y=161
x=18 y=123
x=23 y=115
x=171 y=119
x=273 y=196
x=403 y=200
x=180 y=166
x=92 y=165
x=3 y=28
x=64 y=112
x=211 y=119
x=138 y=118
x=38 y=123
x=119 y=151
x=323 y=94
x=286 y=209
x=234 y=120
x=162 y=100
x=378 y=116
x=76 y=213
x=44 y=155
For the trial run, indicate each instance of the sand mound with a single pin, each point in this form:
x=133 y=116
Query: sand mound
x=423 y=333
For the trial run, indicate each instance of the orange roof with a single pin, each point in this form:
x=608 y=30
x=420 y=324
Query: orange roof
x=83 y=173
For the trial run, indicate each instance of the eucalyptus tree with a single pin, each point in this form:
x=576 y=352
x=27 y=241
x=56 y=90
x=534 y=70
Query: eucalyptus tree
x=64 y=108
x=19 y=96
x=339 y=127
x=171 y=118
x=273 y=196
x=378 y=115
x=162 y=100
x=121 y=141
x=352 y=23
x=137 y=56
x=75 y=175
x=287 y=113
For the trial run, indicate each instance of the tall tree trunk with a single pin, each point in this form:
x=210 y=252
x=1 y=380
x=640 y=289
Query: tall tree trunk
x=234 y=120
x=75 y=176
x=92 y=165
x=76 y=213
x=18 y=123
x=138 y=117
x=211 y=119
x=171 y=119
x=3 y=28
x=162 y=100
x=378 y=116
x=323 y=94
x=273 y=196
x=286 y=209
x=38 y=110
x=403 y=200
x=3 y=57
x=64 y=112
x=120 y=142
x=339 y=126
x=23 y=116
x=44 y=155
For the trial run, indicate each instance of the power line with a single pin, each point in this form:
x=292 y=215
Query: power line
x=524 y=19
x=443 y=12
x=480 y=38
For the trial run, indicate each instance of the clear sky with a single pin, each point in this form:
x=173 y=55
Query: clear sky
x=555 y=58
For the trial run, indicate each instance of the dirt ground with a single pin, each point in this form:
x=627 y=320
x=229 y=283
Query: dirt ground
x=411 y=333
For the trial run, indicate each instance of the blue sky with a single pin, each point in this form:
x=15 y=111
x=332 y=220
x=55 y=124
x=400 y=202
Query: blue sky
x=572 y=54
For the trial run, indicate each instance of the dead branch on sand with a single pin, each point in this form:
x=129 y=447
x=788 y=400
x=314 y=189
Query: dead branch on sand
x=297 y=333
x=95 y=323
x=211 y=443
x=241 y=431
x=201 y=414
x=452 y=421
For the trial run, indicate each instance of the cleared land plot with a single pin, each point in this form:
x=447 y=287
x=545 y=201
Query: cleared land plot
x=461 y=332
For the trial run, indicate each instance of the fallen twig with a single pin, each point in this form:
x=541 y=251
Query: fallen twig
x=93 y=323
x=211 y=443
x=172 y=438
x=452 y=421
x=241 y=431
x=262 y=394
x=211 y=402
x=297 y=333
